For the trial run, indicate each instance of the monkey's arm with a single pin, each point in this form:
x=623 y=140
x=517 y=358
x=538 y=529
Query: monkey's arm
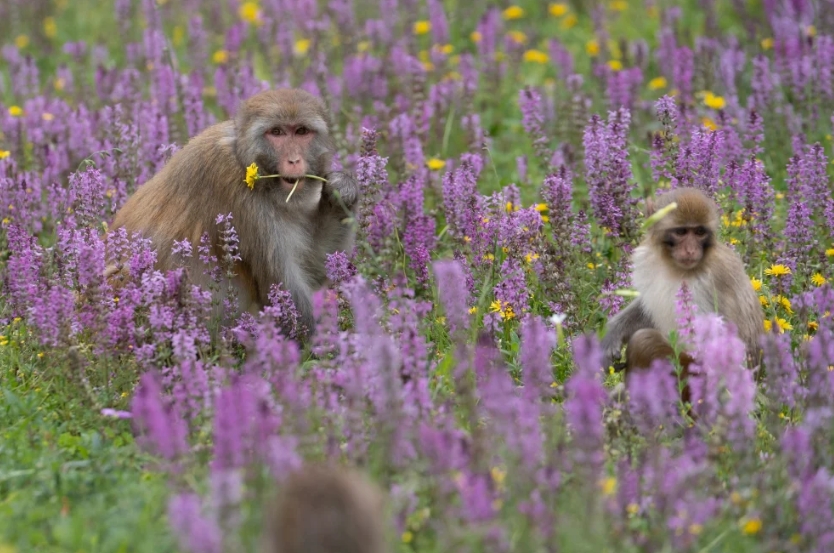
x=336 y=228
x=620 y=328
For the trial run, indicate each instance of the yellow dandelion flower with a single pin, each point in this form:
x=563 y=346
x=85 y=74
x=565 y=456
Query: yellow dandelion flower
x=756 y=283
x=40 y=355
x=695 y=529
x=713 y=101
x=768 y=325
x=608 y=485
x=813 y=326
x=817 y=279
x=440 y=320
x=476 y=36
x=783 y=325
x=249 y=12
x=829 y=252
x=251 y=176
x=536 y=56
x=6 y=220
x=784 y=302
x=517 y=36
x=751 y=526
x=473 y=310
x=558 y=9
x=421 y=27
x=508 y=313
x=708 y=123
x=591 y=266
x=177 y=35
x=301 y=46
x=407 y=537
x=435 y=164
x=495 y=306
x=447 y=49
x=592 y=48
x=22 y=41
x=545 y=219
x=541 y=207
x=15 y=111
x=615 y=65
x=570 y=22
x=498 y=475
x=657 y=83
x=764 y=301
x=220 y=57
x=50 y=28
x=4 y=154
x=767 y=43
x=778 y=270
x=513 y=12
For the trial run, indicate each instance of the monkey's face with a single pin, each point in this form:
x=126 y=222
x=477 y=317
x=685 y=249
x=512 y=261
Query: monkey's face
x=291 y=144
x=687 y=245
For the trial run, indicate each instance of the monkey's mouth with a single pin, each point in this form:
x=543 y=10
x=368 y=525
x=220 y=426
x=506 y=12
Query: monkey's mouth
x=289 y=183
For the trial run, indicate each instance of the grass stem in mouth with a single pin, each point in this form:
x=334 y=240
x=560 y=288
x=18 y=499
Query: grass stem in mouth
x=294 y=186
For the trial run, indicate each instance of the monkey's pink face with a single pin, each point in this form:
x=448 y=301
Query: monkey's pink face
x=687 y=245
x=292 y=147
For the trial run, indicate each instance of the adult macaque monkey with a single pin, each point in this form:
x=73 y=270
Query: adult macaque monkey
x=683 y=247
x=286 y=224
x=327 y=509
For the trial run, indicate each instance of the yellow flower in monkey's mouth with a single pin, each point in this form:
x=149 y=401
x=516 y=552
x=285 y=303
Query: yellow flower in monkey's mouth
x=251 y=175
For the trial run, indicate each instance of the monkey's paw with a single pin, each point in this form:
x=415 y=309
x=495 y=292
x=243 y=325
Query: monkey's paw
x=345 y=187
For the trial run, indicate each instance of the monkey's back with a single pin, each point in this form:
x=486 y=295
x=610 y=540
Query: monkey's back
x=179 y=201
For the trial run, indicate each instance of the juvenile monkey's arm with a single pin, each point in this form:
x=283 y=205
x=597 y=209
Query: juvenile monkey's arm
x=620 y=328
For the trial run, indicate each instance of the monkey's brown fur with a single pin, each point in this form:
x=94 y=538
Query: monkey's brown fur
x=683 y=247
x=648 y=345
x=327 y=509
x=280 y=241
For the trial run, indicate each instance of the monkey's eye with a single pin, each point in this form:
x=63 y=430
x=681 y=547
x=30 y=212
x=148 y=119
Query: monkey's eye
x=276 y=131
x=700 y=231
x=680 y=231
x=301 y=130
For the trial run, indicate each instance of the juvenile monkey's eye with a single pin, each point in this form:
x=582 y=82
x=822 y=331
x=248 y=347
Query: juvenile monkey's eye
x=301 y=130
x=700 y=231
x=276 y=131
x=680 y=231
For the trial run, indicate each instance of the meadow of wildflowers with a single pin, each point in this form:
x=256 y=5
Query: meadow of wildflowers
x=503 y=151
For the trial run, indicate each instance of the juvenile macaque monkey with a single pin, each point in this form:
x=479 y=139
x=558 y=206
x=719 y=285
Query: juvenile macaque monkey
x=327 y=509
x=286 y=224
x=683 y=247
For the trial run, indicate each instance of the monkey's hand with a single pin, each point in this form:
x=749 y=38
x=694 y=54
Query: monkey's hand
x=342 y=189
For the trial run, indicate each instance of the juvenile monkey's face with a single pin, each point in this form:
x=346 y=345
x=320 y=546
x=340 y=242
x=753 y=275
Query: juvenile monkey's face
x=687 y=245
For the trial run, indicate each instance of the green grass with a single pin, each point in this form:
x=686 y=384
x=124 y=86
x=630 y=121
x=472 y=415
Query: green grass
x=71 y=479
